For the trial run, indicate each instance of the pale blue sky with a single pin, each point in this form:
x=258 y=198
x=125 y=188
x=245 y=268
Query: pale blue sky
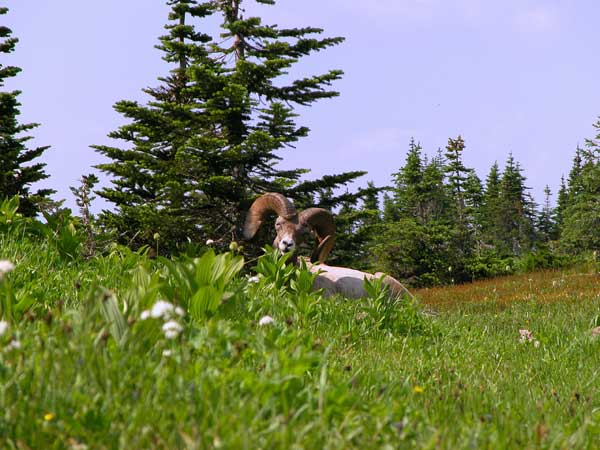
x=510 y=75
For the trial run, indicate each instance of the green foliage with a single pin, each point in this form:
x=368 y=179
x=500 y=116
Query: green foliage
x=580 y=211
x=201 y=285
x=60 y=230
x=84 y=366
x=10 y=219
x=208 y=141
x=398 y=315
x=273 y=266
x=18 y=171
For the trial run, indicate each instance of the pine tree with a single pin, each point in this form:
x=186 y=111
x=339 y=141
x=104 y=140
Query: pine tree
x=208 y=142
x=17 y=172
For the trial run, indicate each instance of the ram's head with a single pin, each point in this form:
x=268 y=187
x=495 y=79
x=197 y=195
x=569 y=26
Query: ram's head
x=293 y=228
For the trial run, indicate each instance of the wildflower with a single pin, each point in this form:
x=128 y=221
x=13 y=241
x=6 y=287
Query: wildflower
x=253 y=279
x=418 y=390
x=3 y=327
x=14 y=344
x=210 y=242
x=167 y=353
x=525 y=335
x=172 y=329
x=179 y=311
x=265 y=320
x=145 y=314
x=49 y=416
x=5 y=267
x=161 y=309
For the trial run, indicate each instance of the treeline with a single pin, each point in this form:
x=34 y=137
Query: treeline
x=189 y=162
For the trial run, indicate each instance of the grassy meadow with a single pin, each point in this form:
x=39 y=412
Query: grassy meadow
x=123 y=351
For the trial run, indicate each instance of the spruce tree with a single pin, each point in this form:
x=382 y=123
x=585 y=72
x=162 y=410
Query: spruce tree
x=517 y=209
x=17 y=170
x=491 y=212
x=546 y=224
x=209 y=140
x=562 y=202
x=456 y=174
x=581 y=216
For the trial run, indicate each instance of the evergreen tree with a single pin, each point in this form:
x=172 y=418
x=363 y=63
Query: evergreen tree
x=408 y=183
x=581 y=216
x=546 y=219
x=208 y=142
x=517 y=210
x=575 y=180
x=491 y=210
x=456 y=174
x=17 y=172
x=561 y=204
x=433 y=203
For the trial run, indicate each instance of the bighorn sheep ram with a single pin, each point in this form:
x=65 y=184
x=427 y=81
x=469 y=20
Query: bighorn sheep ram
x=295 y=228
x=292 y=228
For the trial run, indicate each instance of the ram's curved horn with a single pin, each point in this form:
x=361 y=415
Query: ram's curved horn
x=264 y=205
x=321 y=221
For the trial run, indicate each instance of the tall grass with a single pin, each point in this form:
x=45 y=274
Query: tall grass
x=90 y=363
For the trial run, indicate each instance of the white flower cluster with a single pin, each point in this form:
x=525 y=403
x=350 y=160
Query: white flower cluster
x=168 y=312
x=527 y=336
x=13 y=344
x=5 y=267
x=266 y=320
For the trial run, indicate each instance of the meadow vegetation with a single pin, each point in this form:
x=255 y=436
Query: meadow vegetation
x=122 y=350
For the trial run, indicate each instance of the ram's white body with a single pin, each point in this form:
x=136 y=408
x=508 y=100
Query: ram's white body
x=350 y=282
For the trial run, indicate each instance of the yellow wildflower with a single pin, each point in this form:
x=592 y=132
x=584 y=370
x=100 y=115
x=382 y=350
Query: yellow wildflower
x=418 y=390
x=49 y=416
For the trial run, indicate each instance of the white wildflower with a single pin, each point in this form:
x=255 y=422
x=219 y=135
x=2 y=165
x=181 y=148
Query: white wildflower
x=525 y=336
x=3 y=327
x=172 y=329
x=167 y=353
x=5 y=267
x=179 y=311
x=162 y=309
x=253 y=279
x=14 y=344
x=210 y=242
x=145 y=314
x=266 y=320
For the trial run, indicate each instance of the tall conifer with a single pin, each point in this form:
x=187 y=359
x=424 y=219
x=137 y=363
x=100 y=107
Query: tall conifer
x=17 y=170
x=210 y=139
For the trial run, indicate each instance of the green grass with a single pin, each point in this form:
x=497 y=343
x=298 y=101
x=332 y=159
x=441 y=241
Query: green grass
x=327 y=373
